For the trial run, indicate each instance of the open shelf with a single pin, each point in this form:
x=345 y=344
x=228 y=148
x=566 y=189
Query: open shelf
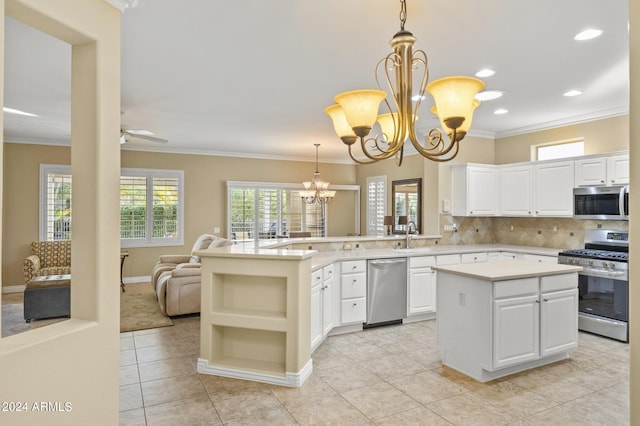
x=249 y=295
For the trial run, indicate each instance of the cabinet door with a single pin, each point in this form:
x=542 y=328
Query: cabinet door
x=516 y=330
x=558 y=321
x=516 y=191
x=618 y=169
x=481 y=191
x=422 y=290
x=554 y=189
x=327 y=306
x=316 y=316
x=591 y=171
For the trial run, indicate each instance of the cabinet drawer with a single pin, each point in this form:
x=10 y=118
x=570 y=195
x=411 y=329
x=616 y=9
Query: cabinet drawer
x=327 y=272
x=354 y=310
x=351 y=266
x=519 y=287
x=506 y=255
x=448 y=259
x=541 y=259
x=474 y=257
x=354 y=285
x=422 y=261
x=559 y=282
x=316 y=278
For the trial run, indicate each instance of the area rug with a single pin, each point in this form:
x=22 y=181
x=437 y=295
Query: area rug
x=139 y=309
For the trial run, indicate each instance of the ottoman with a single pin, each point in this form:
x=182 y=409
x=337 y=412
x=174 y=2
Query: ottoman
x=47 y=297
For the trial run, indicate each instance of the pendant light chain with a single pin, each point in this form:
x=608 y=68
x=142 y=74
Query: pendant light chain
x=403 y=14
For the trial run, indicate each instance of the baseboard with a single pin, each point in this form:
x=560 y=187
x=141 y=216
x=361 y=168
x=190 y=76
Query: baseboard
x=294 y=380
x=12 y=289
x=133 y=280
x=6 y=289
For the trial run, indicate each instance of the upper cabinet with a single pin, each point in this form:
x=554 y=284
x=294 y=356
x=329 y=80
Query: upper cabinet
x=474 y=190
x=516 y=190
x=553 y=188
x=618 y=169
x=602 y=170
x=534 y=189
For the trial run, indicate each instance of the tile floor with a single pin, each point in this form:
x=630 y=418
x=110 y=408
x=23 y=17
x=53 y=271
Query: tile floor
x=381 y=376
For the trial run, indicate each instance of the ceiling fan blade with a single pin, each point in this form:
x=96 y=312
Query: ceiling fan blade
x=145 y=137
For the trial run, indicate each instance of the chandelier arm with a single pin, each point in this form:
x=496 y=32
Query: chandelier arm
x=384 y=153
x=395 y=61
x=359 y=161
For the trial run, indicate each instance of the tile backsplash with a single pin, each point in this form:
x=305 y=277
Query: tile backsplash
x=537 y=232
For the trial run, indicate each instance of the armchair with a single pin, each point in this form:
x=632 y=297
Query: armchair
x=177 y=278
x=47 y=258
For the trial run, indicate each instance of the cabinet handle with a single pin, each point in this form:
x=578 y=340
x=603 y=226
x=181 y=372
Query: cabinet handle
x=355 y=304
x=355 y=281
x=546 y=300
x=537 y=301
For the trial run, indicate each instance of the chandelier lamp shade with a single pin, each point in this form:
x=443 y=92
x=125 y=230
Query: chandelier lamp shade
x=356 y=112
x=317 y=190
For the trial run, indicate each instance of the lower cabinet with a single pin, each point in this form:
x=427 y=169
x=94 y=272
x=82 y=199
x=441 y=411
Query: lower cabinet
x=322 y=316
x=490 y=329
x=422 y=285
x=353 y=292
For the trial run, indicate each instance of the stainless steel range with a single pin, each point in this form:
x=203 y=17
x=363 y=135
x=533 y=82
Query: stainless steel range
x=603 y=285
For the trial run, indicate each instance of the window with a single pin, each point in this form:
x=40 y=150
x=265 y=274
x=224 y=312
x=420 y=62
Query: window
x=559 y=150
x=151 y=206
x=271 y=210
x=376 y=204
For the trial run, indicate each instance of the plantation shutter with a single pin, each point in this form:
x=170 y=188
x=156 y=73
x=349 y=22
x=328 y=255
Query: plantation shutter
x=133 y=207
x=376 y=204
x=58 y=206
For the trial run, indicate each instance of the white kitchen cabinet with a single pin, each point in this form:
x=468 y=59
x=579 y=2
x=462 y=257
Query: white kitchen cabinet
x=474 y=257
x=491 y=325
x=618 y=169
x=507 y=255
x=602 y=170
x=591 y=171
x=553 y=188
x=322 y=318
x=474 y=190
x=516 y=190
x=539 y=258
x=353 y=291
x=422 y=285
x=516 y=330
x=447 y=259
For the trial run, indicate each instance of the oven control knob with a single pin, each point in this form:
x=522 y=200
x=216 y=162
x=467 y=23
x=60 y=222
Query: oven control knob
x=590 y=263
x=604 y=264
x=612 y=265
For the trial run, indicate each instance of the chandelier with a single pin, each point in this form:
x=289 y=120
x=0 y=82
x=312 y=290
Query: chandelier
x=317 y=190
x=356 y=111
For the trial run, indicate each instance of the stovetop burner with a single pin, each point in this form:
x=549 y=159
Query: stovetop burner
x=617 y=256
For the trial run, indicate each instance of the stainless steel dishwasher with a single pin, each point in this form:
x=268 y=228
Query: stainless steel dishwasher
x=386 y=291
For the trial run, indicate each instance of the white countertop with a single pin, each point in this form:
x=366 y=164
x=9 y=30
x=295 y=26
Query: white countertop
x=506 y=269
x=324 y=258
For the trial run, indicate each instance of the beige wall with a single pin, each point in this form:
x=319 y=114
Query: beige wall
x=634 y=200
x=205 y=197
x=600 y=136
x=74 y=363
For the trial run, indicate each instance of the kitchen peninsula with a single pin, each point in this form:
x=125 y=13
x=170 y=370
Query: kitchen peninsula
x=265 y=309
x=498 y=318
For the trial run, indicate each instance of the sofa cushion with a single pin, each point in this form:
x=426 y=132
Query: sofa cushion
x=220 y=242
x=202 y=242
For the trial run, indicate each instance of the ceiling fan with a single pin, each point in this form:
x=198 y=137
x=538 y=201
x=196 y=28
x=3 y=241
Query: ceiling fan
x=139 y=134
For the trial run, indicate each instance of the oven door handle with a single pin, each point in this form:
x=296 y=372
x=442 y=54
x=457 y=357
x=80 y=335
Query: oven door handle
x=594 y=272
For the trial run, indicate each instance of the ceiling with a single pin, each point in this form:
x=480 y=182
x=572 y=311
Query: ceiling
x=252 y=78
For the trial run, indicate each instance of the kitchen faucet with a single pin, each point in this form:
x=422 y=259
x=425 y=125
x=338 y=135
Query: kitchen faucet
x=409 y=236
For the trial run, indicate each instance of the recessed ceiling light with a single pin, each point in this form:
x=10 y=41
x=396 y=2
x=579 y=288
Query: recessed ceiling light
x=489 y=95
x=572 y=92
x=500 y=111
x=18 y=112
x=485 y=72
x=588 y=34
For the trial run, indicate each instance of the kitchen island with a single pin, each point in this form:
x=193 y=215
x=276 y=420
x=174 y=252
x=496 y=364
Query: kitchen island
x=499 y=318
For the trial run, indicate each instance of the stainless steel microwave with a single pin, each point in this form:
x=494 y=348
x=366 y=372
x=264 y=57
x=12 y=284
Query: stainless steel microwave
x=601 y=202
